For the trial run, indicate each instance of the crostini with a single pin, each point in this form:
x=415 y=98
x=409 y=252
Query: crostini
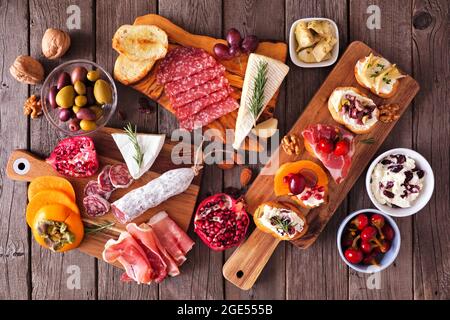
x=378 y=75
x=353 y=109
x=280 y=219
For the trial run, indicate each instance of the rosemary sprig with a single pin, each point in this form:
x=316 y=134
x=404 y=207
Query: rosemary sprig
x=256 y=101
x=132 y=135
x=283 y=224
x=95 y=229
x=368 y=141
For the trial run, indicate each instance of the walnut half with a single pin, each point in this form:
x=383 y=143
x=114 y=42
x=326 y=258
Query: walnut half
x=291 y=144
x=32 y=107
x=389 y=112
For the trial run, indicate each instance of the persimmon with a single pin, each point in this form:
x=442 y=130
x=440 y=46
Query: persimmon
x=50 y=183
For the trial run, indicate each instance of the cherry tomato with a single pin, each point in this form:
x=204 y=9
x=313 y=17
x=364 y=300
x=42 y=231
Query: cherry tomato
x=342 y=148
x=353 y=255
x=325 y=145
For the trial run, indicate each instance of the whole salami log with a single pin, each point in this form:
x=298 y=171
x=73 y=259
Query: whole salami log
x=136 y=202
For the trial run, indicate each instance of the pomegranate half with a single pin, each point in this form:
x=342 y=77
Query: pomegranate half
x=74 y=157
x=221 y=222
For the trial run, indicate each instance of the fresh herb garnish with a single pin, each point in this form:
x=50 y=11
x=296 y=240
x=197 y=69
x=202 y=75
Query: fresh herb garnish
x=282 y=223
x=380 y=66
x=368 y=141
x=95 y=229
x=132 y=135
x=375 y=74
x=256 y=102
x=386 y=79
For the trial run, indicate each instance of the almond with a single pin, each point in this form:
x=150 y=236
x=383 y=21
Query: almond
x=246 y=176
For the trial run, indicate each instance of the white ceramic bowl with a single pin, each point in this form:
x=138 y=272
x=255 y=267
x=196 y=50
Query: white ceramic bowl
x=388 y=257
x=425 y=193
x=293 y=46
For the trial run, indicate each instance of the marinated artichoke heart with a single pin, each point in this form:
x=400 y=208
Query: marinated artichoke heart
x=315 y=40
x=305 y=37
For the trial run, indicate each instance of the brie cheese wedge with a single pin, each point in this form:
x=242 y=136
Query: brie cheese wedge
x=276 y=72
x=151 y=145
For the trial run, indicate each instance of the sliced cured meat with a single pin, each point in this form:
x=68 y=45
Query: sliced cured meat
x=198 y=105
x=338 y=166
x=120 y=176
x=92 y=188
x=209 y=114
x=176 y=53
x=198 y=92
x=158 y=257
x=184 y=65
x=95 y=205
x=131 y=256
x=104 y=181
x=171 y=236
x=176 y=87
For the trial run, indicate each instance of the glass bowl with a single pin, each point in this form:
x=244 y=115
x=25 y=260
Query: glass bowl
x=52 y=113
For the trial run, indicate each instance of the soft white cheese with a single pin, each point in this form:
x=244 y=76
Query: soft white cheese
x=312 y=201
x=269 y=212
x=276 y=73
x=150 y=144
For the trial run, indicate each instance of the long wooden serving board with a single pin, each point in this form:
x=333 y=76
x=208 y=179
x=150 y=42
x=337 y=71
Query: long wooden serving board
x=235 y=70
x=24 y=166
x=247 y=262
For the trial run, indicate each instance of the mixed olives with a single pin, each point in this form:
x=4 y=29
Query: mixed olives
x=80 y=97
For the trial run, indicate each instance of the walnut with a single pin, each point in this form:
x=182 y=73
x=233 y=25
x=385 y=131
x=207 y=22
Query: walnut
x=55 y=43
x=389 y=112
x=291 y=144
x=246 y=176
x=32 y=107
x=27 y=69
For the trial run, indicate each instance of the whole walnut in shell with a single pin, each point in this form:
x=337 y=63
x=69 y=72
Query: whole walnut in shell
x=55 y=43
x=27 y=69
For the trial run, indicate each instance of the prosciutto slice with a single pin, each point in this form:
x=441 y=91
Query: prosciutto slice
x=127 y=251
x=171 y=236
x=338 y=166
x=157 y=255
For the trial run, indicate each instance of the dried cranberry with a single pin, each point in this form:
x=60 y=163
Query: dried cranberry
x=420 y=173
x=408 y=176
x=395 y=168
x=386 y=162
x=400 y=158
x=389 y=184
x=388 y=194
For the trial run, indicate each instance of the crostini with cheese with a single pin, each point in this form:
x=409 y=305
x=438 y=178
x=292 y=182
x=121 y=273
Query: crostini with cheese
x=378 y=75
x=353 y=109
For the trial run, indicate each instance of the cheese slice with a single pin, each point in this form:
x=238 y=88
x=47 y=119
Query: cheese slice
x=150 y=144
x=276 y=72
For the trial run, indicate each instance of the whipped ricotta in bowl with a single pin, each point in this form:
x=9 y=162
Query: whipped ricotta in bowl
x=396 y=181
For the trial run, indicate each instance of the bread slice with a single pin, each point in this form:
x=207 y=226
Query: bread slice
x=128 y=71
x=143 y=42
x=358 y=129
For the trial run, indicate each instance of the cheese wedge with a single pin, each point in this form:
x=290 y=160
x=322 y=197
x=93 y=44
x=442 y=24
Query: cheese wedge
x=150 y=144
x=276 y=72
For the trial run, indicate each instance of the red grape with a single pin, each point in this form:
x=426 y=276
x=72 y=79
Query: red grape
x=234 y=51
x=221 y=51
x=310 y=177
x=234 y=37
x=297 y=184
x=250 y=43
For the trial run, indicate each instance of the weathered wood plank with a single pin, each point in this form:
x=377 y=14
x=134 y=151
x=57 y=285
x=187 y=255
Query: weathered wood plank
x=50 y=271
x=250 y=17
x=201 y=275
x=110 y=15
x=14 y=249
x=317 y=272
x=431 y=128
x=393 y=41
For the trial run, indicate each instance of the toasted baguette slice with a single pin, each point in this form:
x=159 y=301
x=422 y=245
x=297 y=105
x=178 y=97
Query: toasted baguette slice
x=361 y=78
x=144 y=42
x=336 y=98
x=128 y=71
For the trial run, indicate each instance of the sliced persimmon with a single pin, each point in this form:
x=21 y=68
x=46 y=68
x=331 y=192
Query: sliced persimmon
x=50 y=183
x=48 y=197
x=281 y=188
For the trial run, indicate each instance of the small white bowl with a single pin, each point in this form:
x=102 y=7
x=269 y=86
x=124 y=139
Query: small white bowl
x=293 y=46
x=388 y=257
x=425 y=193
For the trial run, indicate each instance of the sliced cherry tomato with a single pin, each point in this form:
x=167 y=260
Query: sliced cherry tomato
x=325 y=145
x=342 y=148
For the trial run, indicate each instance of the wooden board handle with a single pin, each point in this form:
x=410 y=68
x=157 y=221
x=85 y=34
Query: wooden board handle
x=246 y=263
x=24 y=166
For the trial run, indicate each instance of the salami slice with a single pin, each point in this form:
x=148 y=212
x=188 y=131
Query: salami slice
x=93 y=188
x=104 y=181
x=95 y=205
x=120 y=176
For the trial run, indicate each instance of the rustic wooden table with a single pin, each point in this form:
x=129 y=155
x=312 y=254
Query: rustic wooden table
x=413 y=33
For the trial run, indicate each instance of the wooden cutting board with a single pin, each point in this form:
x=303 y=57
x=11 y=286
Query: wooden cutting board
x=24 y=166
x=235 y=70
x=246 y=263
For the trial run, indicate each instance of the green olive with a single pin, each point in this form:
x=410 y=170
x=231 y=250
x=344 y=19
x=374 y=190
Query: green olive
x=98 y=111
x=87 y=125
x=80 y=101
x=65 y=97
x=75 y=109
x=93 y=75
x=79 y=87
x=102 y=92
